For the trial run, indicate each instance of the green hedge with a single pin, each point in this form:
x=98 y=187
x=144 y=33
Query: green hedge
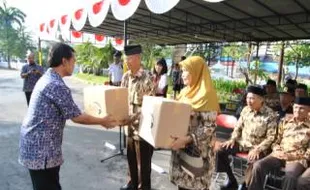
x=224 y=89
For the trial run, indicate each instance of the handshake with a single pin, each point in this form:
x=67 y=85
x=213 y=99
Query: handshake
x=111 y=122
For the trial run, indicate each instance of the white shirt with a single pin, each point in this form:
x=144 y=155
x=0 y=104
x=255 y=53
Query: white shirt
x=116 y=72
x=162 y=83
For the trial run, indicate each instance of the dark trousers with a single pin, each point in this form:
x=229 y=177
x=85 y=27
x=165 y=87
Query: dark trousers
x=139 y=151
x=296 y=175
x=260 y=169
x=47 y=179
x=303 y=182
x=292 y=173
x=223 y=162
x=28 y=96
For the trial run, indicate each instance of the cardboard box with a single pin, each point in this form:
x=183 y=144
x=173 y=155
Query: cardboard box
x=100 y=101
x=161 y=118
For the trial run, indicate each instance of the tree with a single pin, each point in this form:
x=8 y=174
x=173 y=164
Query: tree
x=151 y=52
x=22 y=44
x=92 y=58
x=241 y=51
x=236 y=52
x=9 y=18
x=299 y=55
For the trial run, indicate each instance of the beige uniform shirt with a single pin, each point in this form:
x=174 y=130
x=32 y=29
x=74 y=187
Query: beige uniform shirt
x=255 y=129
x=138 y=85
x=293 y=140
x=273 y=101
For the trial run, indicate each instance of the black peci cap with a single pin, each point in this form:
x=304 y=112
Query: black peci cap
x=303 y=101
x=302 y=86
x=132 y=50
x=256 y=90
x=289 y=91
x=271 y=82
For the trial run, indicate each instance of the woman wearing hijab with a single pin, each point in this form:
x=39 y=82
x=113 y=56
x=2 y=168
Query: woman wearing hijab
x=192 y=159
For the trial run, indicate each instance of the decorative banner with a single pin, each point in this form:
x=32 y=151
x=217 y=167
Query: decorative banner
x=53 y=27
x=98 y=11
x=64 y=23
x=100 y=40
x=42 y=29
x=118 y=43
x=79 y=19
x=76 y=37
x=161 y=6
x=123 y=9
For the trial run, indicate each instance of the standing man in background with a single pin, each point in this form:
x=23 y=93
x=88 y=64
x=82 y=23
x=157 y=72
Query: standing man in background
x=116 y=70
x=31 y=73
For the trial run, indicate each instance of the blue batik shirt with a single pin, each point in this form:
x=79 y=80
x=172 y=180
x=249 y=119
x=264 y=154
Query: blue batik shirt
x=42 y=129
x=31 y=80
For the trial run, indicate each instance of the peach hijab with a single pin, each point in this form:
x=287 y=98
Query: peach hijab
x=201 y=94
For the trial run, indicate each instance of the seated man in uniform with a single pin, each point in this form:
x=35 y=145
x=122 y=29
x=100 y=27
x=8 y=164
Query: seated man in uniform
x=301 y=90
x=286 y=102
x=272 y=98
x=291 y=150
x=254 y=133
x=291 y=84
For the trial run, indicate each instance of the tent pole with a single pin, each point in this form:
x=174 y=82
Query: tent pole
x=256 y=63
x=125 y=33
x=40 y=51
x=281 y=64
x=125 y=44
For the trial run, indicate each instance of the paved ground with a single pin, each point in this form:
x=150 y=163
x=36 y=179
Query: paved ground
x=83 y=147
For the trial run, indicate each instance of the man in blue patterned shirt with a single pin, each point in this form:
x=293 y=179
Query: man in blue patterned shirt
x=31 y=73
x=42 y=129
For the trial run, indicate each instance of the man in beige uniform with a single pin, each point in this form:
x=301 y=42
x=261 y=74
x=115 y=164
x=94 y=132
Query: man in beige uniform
x=254 y=133
x=291 y=150
x=139 y=83
x=272 y=98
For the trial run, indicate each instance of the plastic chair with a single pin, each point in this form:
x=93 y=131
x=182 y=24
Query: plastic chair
x=242 y=158
x=273 y=180
x=228 y=122
x=225 y=125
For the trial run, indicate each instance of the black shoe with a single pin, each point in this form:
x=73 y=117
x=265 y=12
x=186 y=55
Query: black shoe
x=230 y=186
x=128 y=186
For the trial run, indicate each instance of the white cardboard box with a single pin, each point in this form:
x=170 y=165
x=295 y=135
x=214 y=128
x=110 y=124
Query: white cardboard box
x=162 y=118
x=100 y=101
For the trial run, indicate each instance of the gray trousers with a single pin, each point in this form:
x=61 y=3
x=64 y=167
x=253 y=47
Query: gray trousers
x=296 y=176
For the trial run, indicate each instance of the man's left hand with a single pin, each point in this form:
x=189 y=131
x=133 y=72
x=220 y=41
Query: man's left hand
x=279 y=154
x=253 y=155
